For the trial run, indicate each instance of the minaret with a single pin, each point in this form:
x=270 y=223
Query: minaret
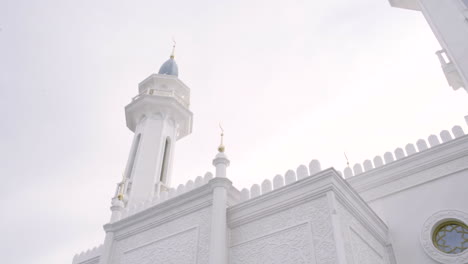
x=448 y=20
x=219 y=234
x=159 y=116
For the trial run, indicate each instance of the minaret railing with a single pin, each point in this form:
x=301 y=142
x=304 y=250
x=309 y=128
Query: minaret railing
x=177 y=94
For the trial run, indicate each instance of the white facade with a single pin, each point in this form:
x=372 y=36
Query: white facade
x=448 y=20
x=410 y=191
x=383 y=214
x=389 y=210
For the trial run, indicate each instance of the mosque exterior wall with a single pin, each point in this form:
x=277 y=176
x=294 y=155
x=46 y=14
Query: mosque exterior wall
x=318 y=219
x=410 y=192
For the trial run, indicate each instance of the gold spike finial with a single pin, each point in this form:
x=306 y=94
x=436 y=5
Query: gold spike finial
x=173 y=48
x=221 y=146
x=120 y=196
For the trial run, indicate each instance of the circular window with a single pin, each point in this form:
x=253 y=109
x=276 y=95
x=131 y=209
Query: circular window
x=444 y=237
x=451 y=237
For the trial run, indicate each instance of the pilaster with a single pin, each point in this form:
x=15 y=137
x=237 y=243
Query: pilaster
x=220 y=185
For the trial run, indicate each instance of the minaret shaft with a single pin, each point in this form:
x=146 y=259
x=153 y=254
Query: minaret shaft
x=159 y=116
x=150 y=160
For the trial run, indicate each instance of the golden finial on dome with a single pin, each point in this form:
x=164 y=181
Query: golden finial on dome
x=173 y=48
x=221 y=146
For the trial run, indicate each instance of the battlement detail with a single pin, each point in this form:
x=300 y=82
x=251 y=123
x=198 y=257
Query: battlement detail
x=400 y=153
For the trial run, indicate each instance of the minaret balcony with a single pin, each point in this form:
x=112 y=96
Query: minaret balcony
x=406 y=4
x=177 y=95
x=163 y=95
x=165 y=85
x=451 y=73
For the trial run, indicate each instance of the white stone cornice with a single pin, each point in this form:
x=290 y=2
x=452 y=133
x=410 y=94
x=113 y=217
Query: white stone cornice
x=304 y=190
x=174 y=208
x=413 y=170
x=233 y=194
x=168 y=210
x=279 y=199
x=346 y=195
x=220 y=182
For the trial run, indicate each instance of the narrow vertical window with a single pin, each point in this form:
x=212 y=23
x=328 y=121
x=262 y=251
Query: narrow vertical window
x=131 y=161
x=165 y=161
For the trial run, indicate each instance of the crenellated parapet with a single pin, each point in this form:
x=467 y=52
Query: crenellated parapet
x=91 y=256
x=367 y=167
x=403 y=152
x=280 y=181
x=428 y=160
x=169 y=194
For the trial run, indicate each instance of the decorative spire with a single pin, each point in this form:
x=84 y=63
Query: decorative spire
x=221 y=146
x=347 y=161
x=173 y=48
x=170 y=66
x=121 y=192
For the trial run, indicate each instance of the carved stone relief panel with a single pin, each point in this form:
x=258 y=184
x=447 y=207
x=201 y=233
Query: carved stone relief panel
x=364 y=253
x=290 y=245
x=315 y=212
x=199 y=220
x=180 y=248
x=92 y=261
x=360 y=245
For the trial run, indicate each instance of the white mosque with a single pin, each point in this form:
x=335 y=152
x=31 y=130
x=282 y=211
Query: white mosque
x=408 y=207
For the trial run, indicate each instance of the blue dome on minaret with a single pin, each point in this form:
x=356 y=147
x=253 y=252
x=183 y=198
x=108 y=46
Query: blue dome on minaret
x=170 y=66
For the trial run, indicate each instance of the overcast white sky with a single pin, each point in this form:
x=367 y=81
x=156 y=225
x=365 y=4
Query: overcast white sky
x=290 y=81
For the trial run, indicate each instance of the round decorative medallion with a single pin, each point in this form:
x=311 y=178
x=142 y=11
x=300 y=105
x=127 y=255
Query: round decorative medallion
x=444 y=237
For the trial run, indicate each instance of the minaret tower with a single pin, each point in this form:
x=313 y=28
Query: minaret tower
x=159 y=116
x=448 y=20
